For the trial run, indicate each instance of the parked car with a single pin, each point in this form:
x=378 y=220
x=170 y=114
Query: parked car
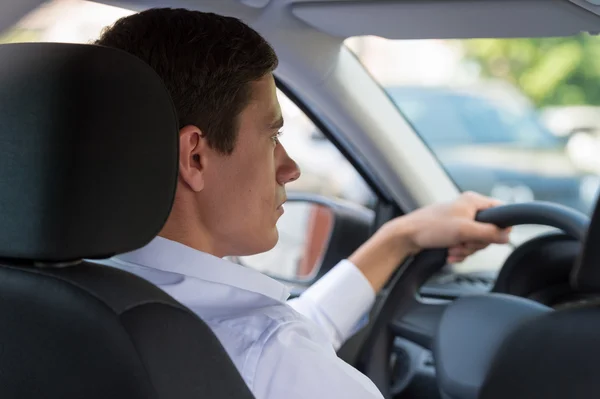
x=488 y=139
x=495 y=147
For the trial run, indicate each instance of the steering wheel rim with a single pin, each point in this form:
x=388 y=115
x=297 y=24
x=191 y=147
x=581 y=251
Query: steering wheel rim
x=401 y=292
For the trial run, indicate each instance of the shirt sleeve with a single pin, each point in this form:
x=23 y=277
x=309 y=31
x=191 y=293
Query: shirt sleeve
x=295 y=365
x=338 y=303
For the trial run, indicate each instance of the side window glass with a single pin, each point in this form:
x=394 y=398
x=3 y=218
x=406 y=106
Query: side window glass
x=325 y=170
x=304 y=228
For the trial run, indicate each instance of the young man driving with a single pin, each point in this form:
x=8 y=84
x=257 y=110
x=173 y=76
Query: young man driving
x=231 y=189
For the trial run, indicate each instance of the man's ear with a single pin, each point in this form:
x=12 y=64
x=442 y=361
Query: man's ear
x=192 y=157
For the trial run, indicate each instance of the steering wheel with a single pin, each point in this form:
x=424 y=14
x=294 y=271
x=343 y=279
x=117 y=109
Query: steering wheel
x=459 y=326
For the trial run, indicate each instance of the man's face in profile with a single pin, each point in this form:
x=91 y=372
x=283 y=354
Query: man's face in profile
x=243 y=192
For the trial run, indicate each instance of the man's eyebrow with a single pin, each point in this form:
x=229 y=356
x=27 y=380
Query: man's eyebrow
x=278 y=124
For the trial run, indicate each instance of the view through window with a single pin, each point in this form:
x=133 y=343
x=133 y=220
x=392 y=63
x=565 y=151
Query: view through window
x=517 y=119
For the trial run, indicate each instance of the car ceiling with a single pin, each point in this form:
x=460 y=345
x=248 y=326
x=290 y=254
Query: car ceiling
x=448 y=19
x=394 y=19
x=11 y=12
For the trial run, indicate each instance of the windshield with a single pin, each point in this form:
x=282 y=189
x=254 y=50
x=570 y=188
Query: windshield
x=515 y=119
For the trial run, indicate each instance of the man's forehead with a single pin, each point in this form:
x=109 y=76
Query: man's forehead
x=264 y=102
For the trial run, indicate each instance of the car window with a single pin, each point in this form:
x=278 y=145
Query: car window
x=325 y=171
x=516 y=119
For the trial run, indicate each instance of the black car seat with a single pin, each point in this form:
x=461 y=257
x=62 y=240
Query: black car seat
x=88 y=168
x=555 y=355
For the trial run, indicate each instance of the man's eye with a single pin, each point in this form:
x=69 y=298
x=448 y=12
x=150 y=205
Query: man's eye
x=275 y=138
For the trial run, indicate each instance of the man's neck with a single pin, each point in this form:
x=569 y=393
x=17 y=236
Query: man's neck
x=184 y=231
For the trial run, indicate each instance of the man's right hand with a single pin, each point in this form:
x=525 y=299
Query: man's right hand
x=452 y=225
x=446 y=225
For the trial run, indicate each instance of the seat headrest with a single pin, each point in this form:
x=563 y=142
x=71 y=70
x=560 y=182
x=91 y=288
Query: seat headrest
x=88 y=154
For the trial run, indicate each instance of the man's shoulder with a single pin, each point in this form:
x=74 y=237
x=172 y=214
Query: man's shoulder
x=260 y=322
x=246 y=335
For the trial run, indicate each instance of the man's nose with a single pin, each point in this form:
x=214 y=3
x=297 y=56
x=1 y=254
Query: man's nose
x=288 y=170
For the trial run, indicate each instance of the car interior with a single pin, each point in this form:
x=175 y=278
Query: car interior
x=73 y=328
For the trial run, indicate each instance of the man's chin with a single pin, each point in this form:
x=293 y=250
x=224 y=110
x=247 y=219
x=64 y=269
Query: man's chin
x=268 y=243
x=272 y=240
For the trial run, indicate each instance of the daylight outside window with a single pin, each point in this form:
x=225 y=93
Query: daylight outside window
x=517 y=119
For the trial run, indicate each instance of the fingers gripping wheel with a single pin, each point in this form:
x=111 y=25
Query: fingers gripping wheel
x=401 y=293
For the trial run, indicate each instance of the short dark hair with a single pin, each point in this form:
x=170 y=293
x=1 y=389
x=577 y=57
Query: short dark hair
x=207 y=62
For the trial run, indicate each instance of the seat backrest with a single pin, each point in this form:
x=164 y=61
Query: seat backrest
x=555 y=355
x=88 y=168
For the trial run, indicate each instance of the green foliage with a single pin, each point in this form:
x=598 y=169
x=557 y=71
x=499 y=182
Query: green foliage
x=551 y=71
x=16 y=35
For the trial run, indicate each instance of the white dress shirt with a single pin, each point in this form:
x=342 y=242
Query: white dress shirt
x=281 y=349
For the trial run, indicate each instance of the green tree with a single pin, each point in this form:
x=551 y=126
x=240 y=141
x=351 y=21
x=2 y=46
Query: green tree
x=17 y=35
x=551 y=71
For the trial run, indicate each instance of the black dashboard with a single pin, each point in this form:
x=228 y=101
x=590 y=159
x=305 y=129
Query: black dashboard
x=449 y=285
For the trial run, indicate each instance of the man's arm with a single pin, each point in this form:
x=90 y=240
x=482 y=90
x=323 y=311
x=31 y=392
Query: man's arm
x=447 y=225
x=341 y=299
x=338 y=302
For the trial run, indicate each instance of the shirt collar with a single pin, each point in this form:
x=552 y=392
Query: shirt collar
x=174 y=257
